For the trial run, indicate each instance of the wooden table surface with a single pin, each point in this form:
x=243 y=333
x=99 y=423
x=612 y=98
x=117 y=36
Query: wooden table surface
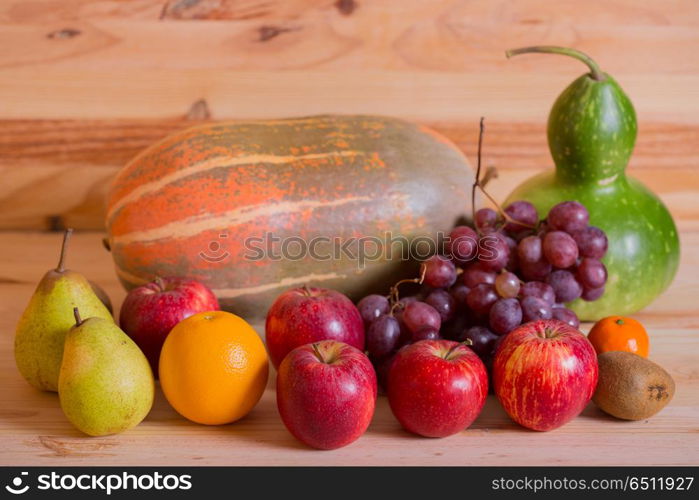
x=34 y=431
x=85 y=85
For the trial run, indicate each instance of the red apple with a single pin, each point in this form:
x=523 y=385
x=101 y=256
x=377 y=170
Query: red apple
x=544 y=373
x=326 y=393
x=437 y=388
x=150 y=311
x=303 y=315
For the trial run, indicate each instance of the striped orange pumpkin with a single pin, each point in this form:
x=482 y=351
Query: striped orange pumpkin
x=186 y=205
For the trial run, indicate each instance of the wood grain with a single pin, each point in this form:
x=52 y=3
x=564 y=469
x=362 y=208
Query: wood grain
x=433 y=60
x=85 y=85
x=56 y=172
x=89 y=84
x=33 y=431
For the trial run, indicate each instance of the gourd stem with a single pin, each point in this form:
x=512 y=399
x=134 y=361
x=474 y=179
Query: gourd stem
x=595 y=70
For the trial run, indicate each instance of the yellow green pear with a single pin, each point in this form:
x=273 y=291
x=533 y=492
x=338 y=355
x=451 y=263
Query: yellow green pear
x=43 y=326
x=106 y=384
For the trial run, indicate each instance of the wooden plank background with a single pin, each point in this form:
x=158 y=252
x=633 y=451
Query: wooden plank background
x=84 y=85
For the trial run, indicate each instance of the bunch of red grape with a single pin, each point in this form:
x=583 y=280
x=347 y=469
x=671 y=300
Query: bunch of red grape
x=507 y=271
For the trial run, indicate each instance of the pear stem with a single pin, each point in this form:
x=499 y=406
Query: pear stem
x=595 y=70
x=78 y=319
x=64 y=247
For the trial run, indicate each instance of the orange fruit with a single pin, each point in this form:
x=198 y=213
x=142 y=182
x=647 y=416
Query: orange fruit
x=213 y=368
x=618 y=333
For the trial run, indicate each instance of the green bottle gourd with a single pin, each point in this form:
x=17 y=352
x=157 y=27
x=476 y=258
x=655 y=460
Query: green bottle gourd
x=591 y=134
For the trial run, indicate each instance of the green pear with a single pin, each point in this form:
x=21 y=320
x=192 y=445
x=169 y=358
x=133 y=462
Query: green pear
x=103 y=296
x=106 y=384
x=43 y=326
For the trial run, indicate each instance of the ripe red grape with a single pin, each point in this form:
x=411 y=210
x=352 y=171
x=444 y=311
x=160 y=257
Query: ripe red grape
x=440 y=272
x=513 y=259
x=458 y=292
x=418 y=315
x=493 y=252
x=534 y=308
x=463 y=244
x=505 y=315
x=426 y=333
x=566 y=315
x=485 y=218
x=476 y=273
x=382 y=336
x=535 y=271
x=482 y=340
x=591 y=273
x=481 y=298
x=539 y=289
x=408 y=299
x=568 y=216
x=405 y=333
x=592 y=294
x=564 y=285
x=371 y=307
x=453 y=329
x=560 y=249
x=592 y=242
x=443 y=302
x=521 y=211
x=507 y=284
x=382 y=367
x=530 y=249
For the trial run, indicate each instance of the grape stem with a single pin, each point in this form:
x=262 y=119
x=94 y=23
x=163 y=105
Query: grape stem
x=394 y=295
x=479 y=183
x=395 y=306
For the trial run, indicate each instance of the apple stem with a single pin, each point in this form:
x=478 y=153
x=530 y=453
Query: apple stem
x=466 y=342
x=64 y=247
x=549 y=333
x=306 y=290
x=159 y=283
x=319 y=355
x=78 y=319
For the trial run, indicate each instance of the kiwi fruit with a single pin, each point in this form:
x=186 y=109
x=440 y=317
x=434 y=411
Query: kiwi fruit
x=630 y=387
